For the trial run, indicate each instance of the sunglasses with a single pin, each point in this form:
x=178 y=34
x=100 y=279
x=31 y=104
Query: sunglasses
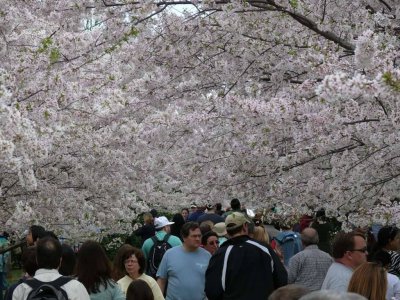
x=214 y=243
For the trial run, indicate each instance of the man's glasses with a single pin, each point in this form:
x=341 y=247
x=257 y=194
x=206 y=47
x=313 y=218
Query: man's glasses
x=363 y=250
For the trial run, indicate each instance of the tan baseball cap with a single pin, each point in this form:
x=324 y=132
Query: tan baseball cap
x=235 y=220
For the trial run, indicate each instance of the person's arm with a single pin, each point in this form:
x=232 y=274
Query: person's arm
x=213 y=286
x=279 y=274
x=146 y=248
x=162 y=282
x=293 y=269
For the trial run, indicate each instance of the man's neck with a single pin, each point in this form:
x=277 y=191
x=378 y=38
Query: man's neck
x=188 y=249
x=344 y=262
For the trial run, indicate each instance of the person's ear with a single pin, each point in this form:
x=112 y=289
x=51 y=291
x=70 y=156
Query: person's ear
x=59 y=265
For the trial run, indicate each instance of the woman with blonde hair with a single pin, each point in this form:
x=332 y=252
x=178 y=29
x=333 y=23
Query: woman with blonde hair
x=261 y=235
x=370 y=281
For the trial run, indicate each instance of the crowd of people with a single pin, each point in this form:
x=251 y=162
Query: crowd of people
x=207 y=253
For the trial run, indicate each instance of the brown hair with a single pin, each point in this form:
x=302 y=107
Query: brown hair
x=187 y=227
x=93 y=267
x=139 y=256
x=343 y=242
x=118 y=263
x=370 y=281
x=260 y=234
x=139 y=290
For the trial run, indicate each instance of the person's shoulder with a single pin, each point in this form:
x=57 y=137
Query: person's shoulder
x=147 y=243
x=171 y=252
x=393 y=279
x=324 y=254
x=74 y=282
x=150 y=280
x=202 y=251
x=20 y=287
x=174 y=239
x=124 y=279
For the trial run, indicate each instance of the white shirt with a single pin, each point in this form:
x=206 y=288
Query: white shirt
x=75 y=290
x=393 y=290
x=337 y=278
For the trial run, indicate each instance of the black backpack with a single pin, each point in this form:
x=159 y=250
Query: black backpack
x=156 y=254
x=47 y=290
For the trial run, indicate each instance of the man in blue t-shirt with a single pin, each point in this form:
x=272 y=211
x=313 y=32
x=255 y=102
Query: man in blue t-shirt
x=184 y=267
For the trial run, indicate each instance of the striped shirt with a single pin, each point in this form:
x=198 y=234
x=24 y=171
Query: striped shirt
x=395 y=263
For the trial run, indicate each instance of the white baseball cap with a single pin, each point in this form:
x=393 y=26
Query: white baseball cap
x=161 y=222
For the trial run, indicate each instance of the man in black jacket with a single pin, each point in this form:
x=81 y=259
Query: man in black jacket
x=243 y=268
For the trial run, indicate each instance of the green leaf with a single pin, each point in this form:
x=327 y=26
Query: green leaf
x=54 y=55
x=45 y=44
x=46 y=115
x=387 y=77
x=294 y=3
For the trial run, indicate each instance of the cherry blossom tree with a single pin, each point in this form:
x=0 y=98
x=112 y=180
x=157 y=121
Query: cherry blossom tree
x=109 y=107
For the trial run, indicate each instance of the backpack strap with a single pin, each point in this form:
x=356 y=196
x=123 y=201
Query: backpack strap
x=166 y=237
x=58 y=283
x=33 y=283
x=154 y=239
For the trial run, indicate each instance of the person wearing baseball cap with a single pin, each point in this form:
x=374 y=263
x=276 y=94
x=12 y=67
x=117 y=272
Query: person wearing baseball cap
x=243 y=268
x=163 y=231
x=210 y=215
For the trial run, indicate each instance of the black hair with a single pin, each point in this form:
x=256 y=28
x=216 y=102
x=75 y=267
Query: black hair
x=48 y=253
x=68 y=261
x=235 y=204
x=177 y=226
x=386 y=235
x=382 y=257
x=36 y=231
x=47 y=233
x=205 y=237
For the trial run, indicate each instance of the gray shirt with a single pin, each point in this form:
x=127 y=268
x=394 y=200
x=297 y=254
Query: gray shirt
x=309 y=267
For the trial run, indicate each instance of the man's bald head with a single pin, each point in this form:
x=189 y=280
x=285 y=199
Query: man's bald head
x=309 y=236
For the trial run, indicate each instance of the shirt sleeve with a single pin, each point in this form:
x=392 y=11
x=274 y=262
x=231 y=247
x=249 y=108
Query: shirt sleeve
x=293 y=269
x=156 y=290
x=396 y=289
x=117 y=293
